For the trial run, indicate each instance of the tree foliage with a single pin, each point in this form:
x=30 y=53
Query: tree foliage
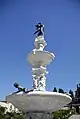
x=61 y=90
x=71 y=94
x=55 y=89
x=63 y=114
x=11 y=115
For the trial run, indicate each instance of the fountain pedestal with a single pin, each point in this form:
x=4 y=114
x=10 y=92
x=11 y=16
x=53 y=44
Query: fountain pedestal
x=39 y=59
x=39 y=115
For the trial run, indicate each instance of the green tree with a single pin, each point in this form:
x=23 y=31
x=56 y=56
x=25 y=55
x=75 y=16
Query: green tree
x=62 y=114
x=2 y=112
x=54 y=90
x=14 y=115
x=11 y=115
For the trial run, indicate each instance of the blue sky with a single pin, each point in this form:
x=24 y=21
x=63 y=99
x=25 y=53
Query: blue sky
x=62 y=33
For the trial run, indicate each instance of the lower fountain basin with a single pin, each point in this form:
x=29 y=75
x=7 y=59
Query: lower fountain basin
x=39 y=101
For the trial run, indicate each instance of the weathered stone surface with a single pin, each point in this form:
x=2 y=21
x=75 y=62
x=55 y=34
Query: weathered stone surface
x=75 y=117
x=38 y=115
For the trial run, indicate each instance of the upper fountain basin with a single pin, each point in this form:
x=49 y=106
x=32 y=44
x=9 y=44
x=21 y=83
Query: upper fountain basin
x=40 y=58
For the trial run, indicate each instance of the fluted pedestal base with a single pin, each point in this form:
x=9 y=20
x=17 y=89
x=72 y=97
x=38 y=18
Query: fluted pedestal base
x=38 y=115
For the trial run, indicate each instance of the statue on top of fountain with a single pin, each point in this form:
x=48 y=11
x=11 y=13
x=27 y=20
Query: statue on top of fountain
x=40 y=29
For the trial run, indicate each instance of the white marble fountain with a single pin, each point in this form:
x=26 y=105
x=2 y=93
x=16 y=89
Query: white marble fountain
x=39 y=103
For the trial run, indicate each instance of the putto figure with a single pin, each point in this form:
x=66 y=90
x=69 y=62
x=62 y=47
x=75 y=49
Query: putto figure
x=40 y=29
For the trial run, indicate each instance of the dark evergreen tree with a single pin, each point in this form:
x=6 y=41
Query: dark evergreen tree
x=61 y=90
x=54 y=90
x=71 y=94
